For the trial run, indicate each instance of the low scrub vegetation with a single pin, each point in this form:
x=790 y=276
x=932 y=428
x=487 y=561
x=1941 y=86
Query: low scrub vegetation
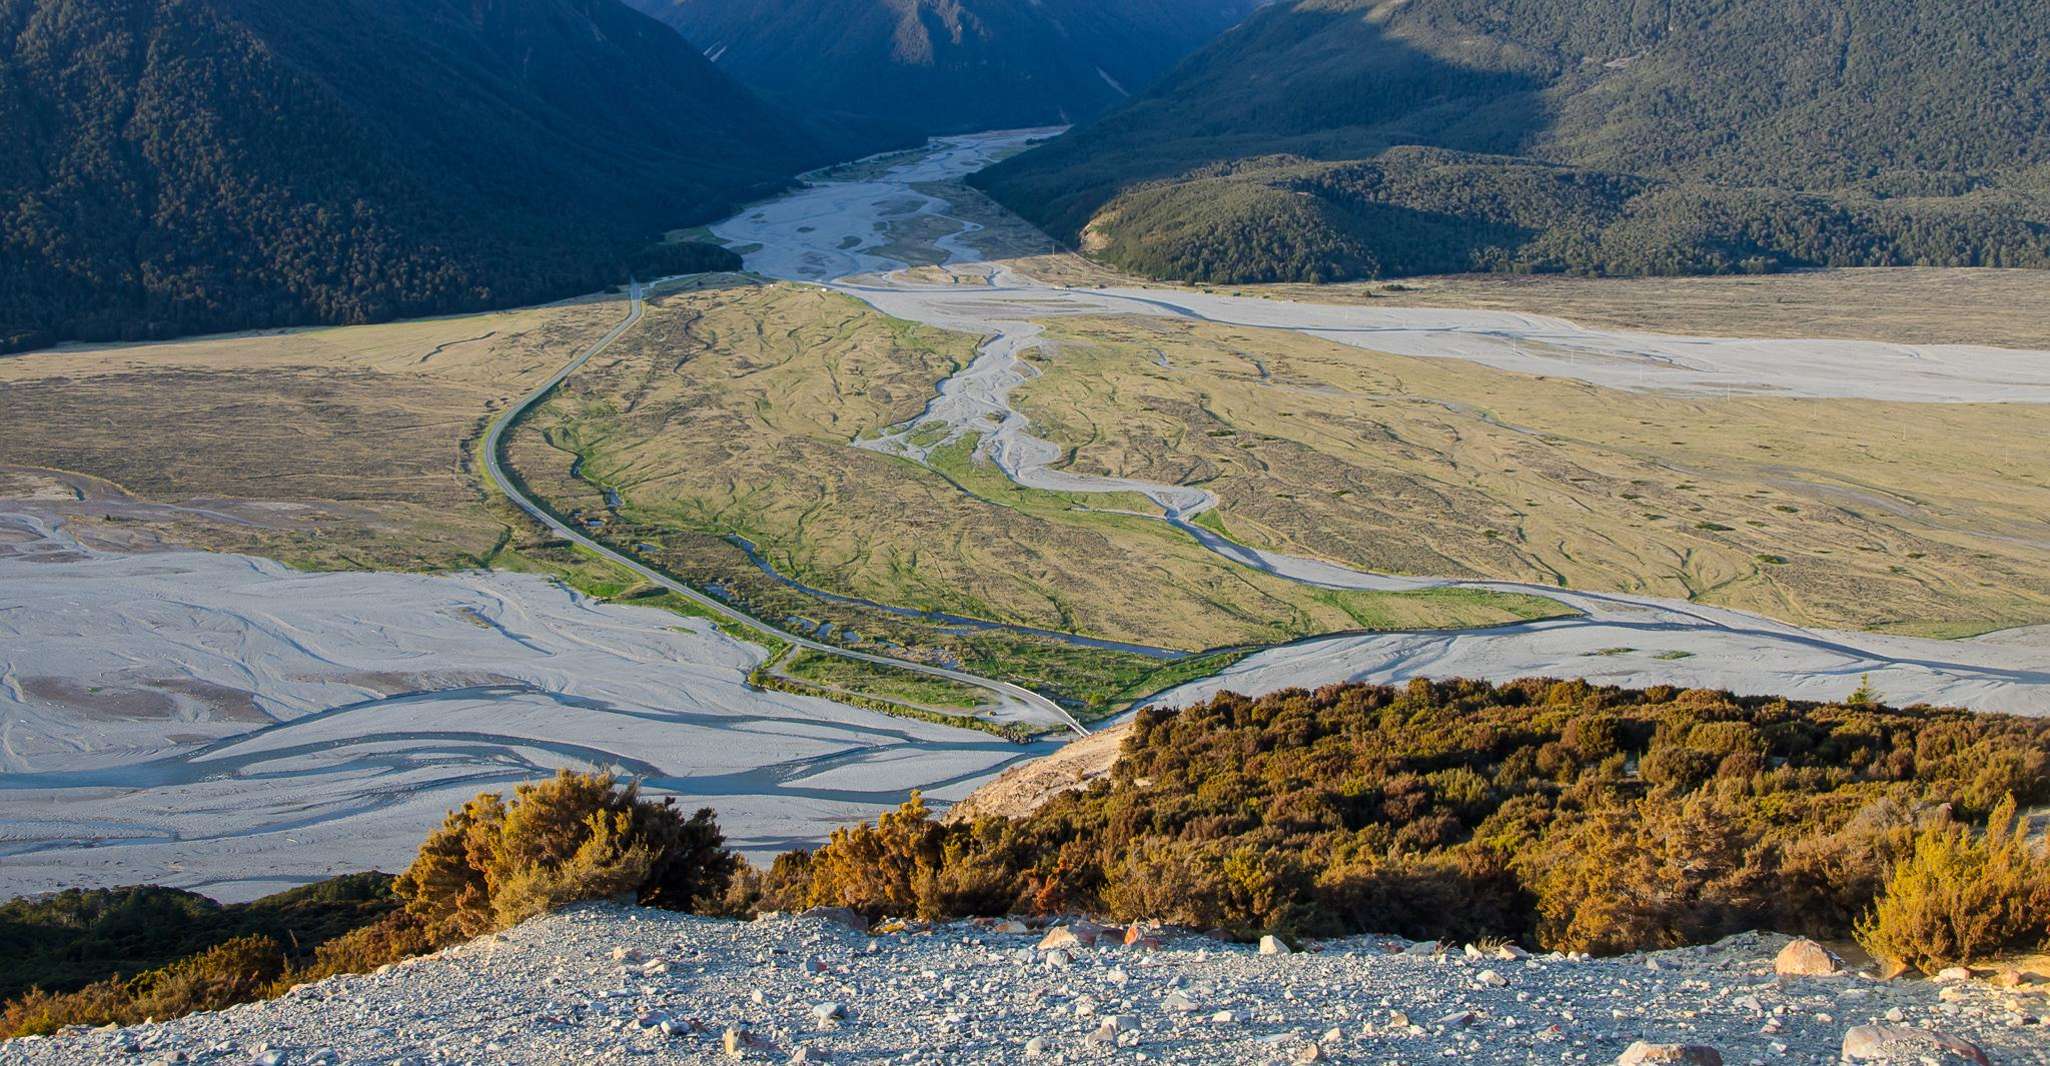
x=495 y=864
x=1569 y=816
x=1562 y=814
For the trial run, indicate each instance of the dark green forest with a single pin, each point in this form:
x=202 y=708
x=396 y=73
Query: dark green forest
x=177 y=166
x=1597 y=136
x=68 y=939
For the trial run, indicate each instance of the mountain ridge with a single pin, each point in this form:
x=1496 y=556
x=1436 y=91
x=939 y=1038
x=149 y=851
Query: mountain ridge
x=1584 y=135
x=947 y=66
x=185 y=166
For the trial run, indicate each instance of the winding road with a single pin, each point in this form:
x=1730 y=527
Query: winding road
x=1024 y=702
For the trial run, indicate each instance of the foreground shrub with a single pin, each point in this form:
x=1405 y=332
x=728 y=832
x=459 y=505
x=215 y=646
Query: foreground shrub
x=391 y=938
x=577 y=836
x=1657 y=874
x=1960 y=898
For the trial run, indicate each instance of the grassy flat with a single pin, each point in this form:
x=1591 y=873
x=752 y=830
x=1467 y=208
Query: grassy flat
x=1914 y=518
x=335 y=448
x=732 y=411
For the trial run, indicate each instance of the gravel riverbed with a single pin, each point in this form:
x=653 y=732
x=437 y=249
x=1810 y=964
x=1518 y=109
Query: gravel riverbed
x=605 y=983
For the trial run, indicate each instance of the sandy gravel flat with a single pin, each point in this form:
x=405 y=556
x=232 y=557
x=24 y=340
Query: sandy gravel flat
x=834 y=230
x=224 y=723
x=1981 y=674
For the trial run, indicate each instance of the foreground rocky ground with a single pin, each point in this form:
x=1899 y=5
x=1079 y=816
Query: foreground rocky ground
x=604 y=983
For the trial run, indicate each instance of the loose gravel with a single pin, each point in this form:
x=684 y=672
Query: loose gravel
x=604 y=983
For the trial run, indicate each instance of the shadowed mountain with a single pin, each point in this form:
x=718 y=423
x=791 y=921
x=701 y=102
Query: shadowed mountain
x=172 y=166
x=1347 y=138
x=948 y=66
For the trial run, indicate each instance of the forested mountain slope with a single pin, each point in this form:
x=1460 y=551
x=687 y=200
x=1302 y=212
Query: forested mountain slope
x=1336 y=138
x=171 y=166
x=949 y=66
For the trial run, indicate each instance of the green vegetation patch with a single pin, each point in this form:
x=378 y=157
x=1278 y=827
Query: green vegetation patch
x=855 y=675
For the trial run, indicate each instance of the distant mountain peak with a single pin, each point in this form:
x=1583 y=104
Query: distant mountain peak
x=948 y=66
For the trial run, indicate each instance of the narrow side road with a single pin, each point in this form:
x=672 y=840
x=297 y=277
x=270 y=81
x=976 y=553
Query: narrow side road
x=494 y=460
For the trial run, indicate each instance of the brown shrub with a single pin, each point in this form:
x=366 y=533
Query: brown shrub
x=490 y=865
x=396 y=936
x=1827 y=880
x=576 y=836
x=1558 y=813
x=1661 y=874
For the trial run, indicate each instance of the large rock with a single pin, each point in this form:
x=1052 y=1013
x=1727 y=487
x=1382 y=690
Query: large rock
x=1645 y=1053
x=1274 y=945
x=1065 y=938
x=1883 y=1042
x=1806 y=958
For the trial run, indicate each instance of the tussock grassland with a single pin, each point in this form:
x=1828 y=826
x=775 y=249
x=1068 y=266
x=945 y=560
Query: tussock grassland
x=732 y=411
x=1898 y=305
x=333 y=448
x=1922 y=518
x=1903 y=305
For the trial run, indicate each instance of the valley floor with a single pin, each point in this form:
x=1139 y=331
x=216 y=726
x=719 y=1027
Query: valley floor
x=603 y=984
x=1022 y=440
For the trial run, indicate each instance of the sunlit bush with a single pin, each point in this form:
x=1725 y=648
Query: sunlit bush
x=577 y=836
x=1961 y=897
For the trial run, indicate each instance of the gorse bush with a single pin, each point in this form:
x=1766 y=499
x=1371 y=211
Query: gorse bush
x=1960 y=897
x=492 y=864
x=1566 y=815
